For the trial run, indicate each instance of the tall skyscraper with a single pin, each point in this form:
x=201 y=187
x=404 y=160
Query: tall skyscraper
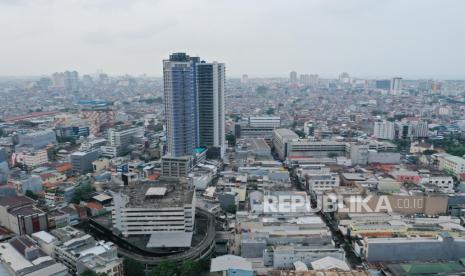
x=71 y=80
x=293 y=77
x=383 y=84
x=181 y=112
x=396 y=85
x=210 y=88
x=245 y=79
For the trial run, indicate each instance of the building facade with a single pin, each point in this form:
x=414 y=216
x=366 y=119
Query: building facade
x=210 y=86
x=181 y=101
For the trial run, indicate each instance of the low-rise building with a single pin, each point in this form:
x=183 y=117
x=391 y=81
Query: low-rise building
x=80 y=252
x=20 y=215
x=22 y=257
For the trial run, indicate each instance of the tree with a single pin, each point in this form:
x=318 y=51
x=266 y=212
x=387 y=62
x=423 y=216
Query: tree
x=133 y=268
x=91 y=273
x=261 y=90
x=300 y=133
x=164 y=268
x=82 y=193
x=270 y=111
x=231 y=138
x=231 y=209
x=429 y=152
x=332 y=155
x=31 y=194
x=402 y=144
x=190 y=268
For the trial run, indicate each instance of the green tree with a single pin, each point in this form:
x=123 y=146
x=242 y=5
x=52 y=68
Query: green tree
x=82 y=193
x=231 y=138
x=332 y=155
x=190 y=268
x=429 y=152
x=133 y=268
x=270 y=111
x=158 y=127
x=91 y=273
x=261 y=90
x=300 y=133
x=30 y=194
x=165 y=268
x=231 y=209
x=402 y=144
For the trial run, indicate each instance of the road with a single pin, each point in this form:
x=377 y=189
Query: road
x=339 y=239
x=200 y=251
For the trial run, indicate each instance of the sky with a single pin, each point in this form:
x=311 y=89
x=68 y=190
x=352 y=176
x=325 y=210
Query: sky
x=261 y=38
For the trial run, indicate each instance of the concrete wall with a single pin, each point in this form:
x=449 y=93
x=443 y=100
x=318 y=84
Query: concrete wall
x=419 y=251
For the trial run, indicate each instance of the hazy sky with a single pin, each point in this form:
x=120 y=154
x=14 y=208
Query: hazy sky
x=257 y=37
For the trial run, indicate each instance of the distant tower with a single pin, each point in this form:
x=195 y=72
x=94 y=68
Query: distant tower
x=344 y=77
x=245 y=79
x=210 y=89
x=71 y=80
x=396 y=85
x=58 y=80
x=293 y=77
x=181 y=113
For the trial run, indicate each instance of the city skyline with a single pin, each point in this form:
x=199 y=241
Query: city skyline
x=364 y=38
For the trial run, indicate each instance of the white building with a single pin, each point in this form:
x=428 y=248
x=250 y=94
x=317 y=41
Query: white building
x=31 y=158
x=285 y=256
x=322 y=182
x=21 y=256
x=281 y=138
x=396 y=85
x=122 y=138
x=445 y=184
x=450 y=163
x=384 y=130
x=80 y=252
x=420 y=129
x=157 y=210
x=265 y=121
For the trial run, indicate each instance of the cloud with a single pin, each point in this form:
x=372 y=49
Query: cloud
x=259 y=37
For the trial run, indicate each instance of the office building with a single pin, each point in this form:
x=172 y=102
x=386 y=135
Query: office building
x=315 y=149
x=396 y=85
x=29 y=157
x=281 y=138
x=257 y=127
x=181 y=101
x=403 y=130
x=293 y=77
x=58 y=80
x=176 y=166
x=210 y=88
x=442 y=247
x=71 y=81
x=450 y=163
x=81 y=161
x=245 y=79
x=383 y=84
x=121 y=138
x=37 y=140
x=309 y=79
x=384 y=130
x=420 y=129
